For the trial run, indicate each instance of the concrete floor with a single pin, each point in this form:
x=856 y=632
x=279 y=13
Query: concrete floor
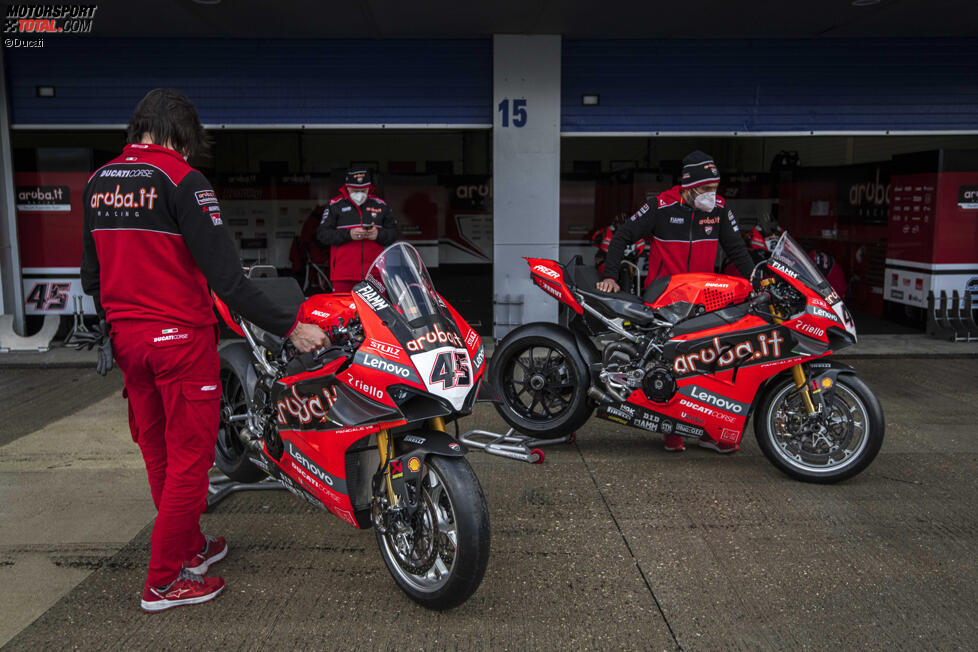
x=612 y=543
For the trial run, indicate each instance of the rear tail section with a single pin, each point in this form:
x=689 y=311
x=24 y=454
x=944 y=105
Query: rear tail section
x=549 y=276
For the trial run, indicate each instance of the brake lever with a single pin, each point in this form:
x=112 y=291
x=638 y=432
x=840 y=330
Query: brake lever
x=322 y=353
x=288 y=348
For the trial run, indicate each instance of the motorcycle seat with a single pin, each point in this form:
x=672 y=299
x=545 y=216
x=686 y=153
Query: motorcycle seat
x=584 y=279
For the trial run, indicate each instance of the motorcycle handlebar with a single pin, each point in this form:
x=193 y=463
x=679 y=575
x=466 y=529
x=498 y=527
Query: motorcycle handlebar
x=759 y=299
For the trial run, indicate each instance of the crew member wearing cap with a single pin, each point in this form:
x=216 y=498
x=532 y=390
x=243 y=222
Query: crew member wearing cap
x=357 y=225
x=684 y=224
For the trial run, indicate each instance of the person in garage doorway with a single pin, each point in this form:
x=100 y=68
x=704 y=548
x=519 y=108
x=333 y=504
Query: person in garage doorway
x=357 y=225
x=684 y=224
x=153 y=241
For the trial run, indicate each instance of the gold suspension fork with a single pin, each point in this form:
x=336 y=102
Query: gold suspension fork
x=383 y=441
x=798 y=373
x=437 y=423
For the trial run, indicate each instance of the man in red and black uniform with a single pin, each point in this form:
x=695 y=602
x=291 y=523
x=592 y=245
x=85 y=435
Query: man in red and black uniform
x=357 y=225
x=154 y=239
x=685 y=224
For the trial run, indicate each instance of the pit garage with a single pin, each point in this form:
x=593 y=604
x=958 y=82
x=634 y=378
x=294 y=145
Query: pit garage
x=495 y=147
x=500 y=131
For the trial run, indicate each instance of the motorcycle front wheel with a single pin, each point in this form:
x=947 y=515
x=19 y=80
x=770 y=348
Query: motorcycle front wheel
x=833 y=445
x=439 y=556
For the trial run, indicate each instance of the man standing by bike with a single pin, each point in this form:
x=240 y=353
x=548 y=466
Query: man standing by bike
x=154 y=240
x=684 y=224
x=357 y=225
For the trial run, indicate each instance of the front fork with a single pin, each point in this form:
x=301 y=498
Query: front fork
x=801 y=383
x=384 y=445
x=798 y=373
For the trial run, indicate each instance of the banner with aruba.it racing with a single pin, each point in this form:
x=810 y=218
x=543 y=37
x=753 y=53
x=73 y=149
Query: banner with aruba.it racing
x=49 y=227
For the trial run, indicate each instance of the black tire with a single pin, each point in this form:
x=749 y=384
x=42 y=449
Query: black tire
x=237 y=396
x=516 y=365
x=857 y=421
x=462 y=505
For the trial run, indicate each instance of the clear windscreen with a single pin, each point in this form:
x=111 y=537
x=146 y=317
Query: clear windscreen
x=789 y=255
x=400 y=276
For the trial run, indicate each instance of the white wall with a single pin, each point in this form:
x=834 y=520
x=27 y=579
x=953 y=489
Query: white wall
x=526 y=170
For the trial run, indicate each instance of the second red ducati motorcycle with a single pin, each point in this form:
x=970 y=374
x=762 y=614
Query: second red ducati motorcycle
x=699 y=356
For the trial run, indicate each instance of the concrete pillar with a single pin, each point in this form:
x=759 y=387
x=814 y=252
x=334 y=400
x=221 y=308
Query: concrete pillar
x=11 y=290
x=526 y=171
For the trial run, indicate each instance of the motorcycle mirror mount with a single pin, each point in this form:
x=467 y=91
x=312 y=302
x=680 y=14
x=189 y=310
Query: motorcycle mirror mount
x=755 y=277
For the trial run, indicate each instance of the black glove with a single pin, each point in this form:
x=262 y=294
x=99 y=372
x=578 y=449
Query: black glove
x=104 y=364
x=97 y=336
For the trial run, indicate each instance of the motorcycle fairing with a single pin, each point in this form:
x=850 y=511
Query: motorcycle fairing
x=549 y=276
x=749 y=342
x=432 y=343
x=315 y=465
x=638 y=416
x=718 y=373
x=789 y=261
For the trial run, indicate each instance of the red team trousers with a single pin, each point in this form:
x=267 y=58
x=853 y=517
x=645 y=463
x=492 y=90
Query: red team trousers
x=172 y=381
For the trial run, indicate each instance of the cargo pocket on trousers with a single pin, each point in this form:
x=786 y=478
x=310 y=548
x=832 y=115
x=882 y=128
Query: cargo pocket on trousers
x=202 y=411
x=201 y=390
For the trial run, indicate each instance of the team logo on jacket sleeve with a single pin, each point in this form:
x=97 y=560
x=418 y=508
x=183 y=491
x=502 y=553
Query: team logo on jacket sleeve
x=205 y=197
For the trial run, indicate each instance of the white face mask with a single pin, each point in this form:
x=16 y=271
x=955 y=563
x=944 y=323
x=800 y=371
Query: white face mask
x=706 y=202
x=358 y=197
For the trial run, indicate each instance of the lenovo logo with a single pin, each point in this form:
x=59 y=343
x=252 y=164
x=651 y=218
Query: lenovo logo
x=716 y=400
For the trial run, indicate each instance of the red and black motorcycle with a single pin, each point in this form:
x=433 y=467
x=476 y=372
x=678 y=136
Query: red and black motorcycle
x=697 y=358
x=359 y=428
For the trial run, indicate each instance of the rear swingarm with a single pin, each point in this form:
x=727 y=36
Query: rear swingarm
x=517 y=447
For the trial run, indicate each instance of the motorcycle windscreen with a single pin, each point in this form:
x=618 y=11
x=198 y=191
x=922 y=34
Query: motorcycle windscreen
x=788 y=254
x=422 y=323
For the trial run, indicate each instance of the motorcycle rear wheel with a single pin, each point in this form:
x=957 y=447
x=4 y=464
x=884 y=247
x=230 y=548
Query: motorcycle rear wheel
x=444 y=561
x=854 y=430
x=230 y=454
x=543 y=383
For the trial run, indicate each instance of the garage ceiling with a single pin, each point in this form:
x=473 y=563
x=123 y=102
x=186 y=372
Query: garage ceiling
x=572 y=18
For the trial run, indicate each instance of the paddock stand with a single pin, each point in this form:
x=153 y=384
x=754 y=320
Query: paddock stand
x=517 y=447
x=220 y=486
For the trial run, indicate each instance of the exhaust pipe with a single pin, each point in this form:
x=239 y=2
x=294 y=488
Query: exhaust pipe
x=599 y=396
x=250 y=438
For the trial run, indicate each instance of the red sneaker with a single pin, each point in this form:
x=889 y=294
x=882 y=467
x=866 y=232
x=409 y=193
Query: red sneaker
x=215 y=549
x=719 y=446
x=188 y=588
x=674 y=444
